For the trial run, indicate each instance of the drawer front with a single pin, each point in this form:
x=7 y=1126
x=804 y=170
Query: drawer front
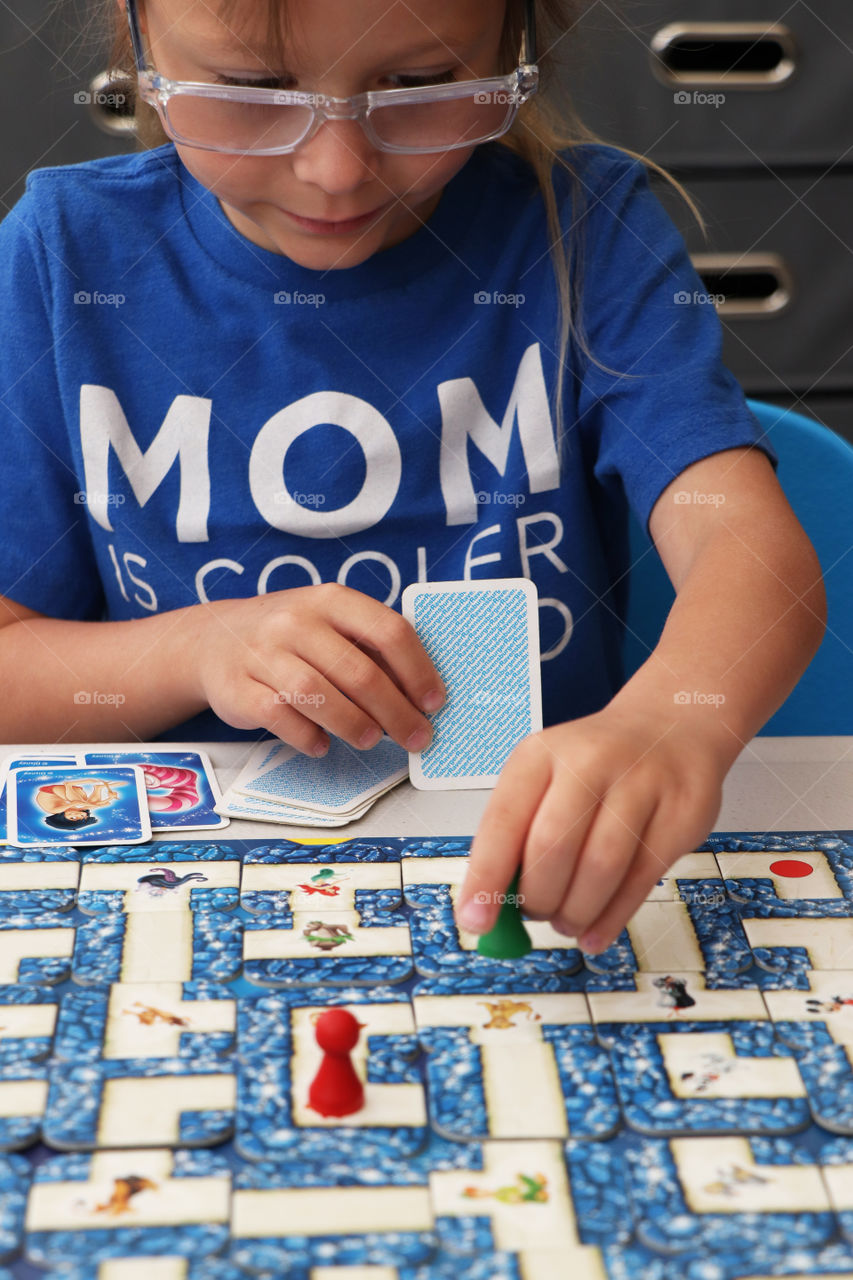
x=779 y=266
x=718 y=82
x=45 y=65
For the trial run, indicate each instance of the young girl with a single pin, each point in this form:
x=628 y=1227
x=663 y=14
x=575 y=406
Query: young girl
x=378 y=313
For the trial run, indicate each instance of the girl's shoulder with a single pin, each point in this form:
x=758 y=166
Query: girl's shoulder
x=582 y=170
x=136 y=168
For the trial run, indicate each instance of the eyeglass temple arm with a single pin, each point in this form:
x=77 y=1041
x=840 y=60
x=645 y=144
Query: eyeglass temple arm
x=135 y=34
x=528 y=42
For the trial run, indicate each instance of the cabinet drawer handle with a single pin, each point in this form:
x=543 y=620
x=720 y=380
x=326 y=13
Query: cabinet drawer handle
x=735 y=55
x=747 y=285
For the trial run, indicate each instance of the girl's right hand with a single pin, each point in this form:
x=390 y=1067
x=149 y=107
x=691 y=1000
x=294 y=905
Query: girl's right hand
x=316 y=658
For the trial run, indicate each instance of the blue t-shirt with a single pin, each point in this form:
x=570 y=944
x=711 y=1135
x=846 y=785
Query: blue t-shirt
x=187 y=416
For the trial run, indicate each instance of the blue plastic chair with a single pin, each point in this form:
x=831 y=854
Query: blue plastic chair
x=816 y=473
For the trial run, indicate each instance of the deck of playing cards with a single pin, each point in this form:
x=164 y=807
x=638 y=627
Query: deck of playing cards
x=279 y=784
x=483 y=639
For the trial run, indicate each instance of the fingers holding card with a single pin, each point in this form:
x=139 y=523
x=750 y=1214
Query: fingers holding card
x=483 y=638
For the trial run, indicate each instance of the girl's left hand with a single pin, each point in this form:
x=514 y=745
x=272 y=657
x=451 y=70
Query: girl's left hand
x=594 y=812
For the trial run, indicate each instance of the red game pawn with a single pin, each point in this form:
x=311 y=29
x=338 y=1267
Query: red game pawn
x=336 y=1089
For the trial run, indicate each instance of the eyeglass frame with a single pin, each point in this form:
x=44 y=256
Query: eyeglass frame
x=157 y=89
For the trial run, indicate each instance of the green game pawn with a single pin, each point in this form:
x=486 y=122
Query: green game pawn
x=507 y=939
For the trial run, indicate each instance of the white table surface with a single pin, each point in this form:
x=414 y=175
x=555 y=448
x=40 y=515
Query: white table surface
x=776 y=784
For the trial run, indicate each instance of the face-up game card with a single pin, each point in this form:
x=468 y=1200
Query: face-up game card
x=483 y=638
x=23 y=762
x=181 y=787
x=55 y=804
x=340 y=782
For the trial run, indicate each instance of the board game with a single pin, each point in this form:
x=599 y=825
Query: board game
x=679 y=1107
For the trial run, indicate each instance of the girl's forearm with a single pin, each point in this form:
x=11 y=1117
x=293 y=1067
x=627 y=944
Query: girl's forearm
x=747 y=620
x=98 y=681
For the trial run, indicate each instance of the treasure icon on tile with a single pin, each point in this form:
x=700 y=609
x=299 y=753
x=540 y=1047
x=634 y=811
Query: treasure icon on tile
x=167 y=946
x=280 y=1056
x=727 y=1193
x=83 y=1209
x=511 y=1062
x=431 y=887
x=193 y=1020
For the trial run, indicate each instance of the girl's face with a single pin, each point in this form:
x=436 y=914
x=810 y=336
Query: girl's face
x=339 y=48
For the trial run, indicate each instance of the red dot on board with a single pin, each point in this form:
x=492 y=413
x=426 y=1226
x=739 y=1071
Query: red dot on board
x=791 y=868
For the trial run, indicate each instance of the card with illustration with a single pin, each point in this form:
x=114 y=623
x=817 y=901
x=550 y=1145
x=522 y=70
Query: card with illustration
x=25 y=762
x=181 y=787
x=75 y=805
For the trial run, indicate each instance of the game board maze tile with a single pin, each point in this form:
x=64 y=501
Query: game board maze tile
x=15 y=1178
x=23 y=1099
x=431 y=886
x=707 y=1078
x=111 y=886
x=360 y=850
x=517 y=1199
x=435 y=847
x=582 y=1263
x=687 y=935
x=835 y=1158
x=193 y=1020
x=84 y=1209
x=278 y=1057
x=727 y=1193
x=277 y=1227
x=302 y=948
x=792 y=946
x=672 y=996
x=35 y=948
x=166 y=1268
x=800 y=873
x=168 y=946
x=827 y=1073
x=269 y=887
x=679 y=882
x=636 y=1262
x=509 y=1064
x=139 y=1103
x=35 y=885
x=27 y=1022
x=816 y=1014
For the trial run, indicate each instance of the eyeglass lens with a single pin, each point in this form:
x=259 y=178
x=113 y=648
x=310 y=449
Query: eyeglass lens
x=250 y=126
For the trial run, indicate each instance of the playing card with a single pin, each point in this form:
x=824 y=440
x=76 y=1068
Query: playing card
x=56 y=804
x=181 y=787
x=483 y=638
x=22 y=762
x=235 y=805
x=338 y=783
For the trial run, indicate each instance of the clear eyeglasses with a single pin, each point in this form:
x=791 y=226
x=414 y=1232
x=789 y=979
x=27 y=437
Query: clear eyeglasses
x=267 y=122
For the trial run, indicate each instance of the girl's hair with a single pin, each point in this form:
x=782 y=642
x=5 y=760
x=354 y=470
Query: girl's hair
x=545 y=126
x=63 y=823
